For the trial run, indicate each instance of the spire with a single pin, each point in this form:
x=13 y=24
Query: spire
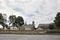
x=33 y=23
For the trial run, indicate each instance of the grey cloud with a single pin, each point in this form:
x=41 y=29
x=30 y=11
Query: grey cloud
x=18 y=9
x=41 y=11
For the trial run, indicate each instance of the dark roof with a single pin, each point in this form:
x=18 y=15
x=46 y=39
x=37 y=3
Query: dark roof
x=44 y=26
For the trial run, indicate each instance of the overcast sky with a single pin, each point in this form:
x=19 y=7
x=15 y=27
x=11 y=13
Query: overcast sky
x=40 y=11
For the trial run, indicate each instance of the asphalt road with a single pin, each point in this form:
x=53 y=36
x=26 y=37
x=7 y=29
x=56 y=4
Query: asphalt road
x=28 y=37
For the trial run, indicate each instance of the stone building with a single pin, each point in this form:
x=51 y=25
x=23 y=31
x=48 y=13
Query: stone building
x=28 y=26
x=45 y=26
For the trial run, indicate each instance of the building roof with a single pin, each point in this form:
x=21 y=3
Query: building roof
x=44 y=26
x=29 y=26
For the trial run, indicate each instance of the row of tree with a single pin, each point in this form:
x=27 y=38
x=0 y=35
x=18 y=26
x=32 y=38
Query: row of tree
x=19 y=21
x=15 y=21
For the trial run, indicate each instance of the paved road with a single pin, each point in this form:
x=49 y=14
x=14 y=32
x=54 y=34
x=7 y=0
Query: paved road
x=28 y=37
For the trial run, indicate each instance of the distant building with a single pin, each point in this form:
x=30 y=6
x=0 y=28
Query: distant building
x=44 y=26
x=28 y=26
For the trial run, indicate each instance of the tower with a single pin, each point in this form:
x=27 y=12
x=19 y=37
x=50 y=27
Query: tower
x=33 y=23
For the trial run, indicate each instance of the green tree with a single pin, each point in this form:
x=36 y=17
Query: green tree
x=5 y=21
x=2 y=20
x=57 y=20
x=5 y=18
x=5 y=25
x=12 y=19
x=19 y=21
x=51 y=26
x=1 y=17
